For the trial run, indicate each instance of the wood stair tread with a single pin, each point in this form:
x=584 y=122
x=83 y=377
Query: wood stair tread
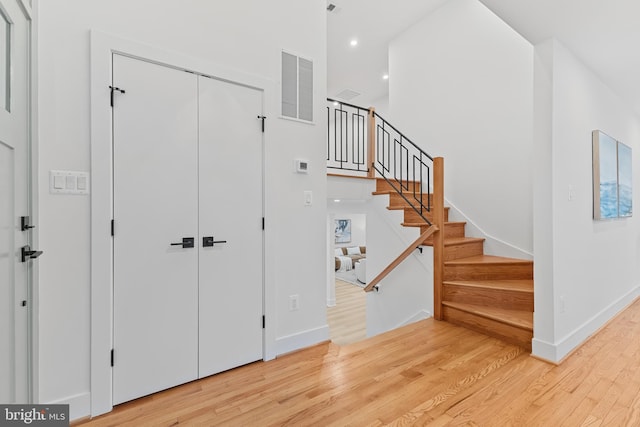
x=453 y=241
x=407 y=193
x=422 y=224
x=488 y=259
x=400 y=208
x=516 y=318
x=518 y=285
x=450 y=241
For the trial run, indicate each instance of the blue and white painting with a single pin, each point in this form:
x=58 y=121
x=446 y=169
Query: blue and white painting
x=343 y=230
x=608 y=163
x=612 y=182
x=625 y=196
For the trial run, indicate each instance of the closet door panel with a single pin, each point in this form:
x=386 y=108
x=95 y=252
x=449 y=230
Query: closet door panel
x=155 y=207
x=230 y=212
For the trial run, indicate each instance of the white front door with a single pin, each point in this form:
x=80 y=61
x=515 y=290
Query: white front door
x=187 y=164
x=155 y=201
x=15 y=295
x=231 y=271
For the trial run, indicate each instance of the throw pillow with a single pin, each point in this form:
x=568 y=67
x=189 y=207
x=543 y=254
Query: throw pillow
x=353 y=251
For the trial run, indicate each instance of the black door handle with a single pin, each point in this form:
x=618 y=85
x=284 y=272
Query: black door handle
x=187 y=242
x=208 y=241
x=24 y=223
x=26 y=253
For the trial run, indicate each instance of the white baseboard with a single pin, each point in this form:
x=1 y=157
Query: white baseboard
x=421 y=315
x=556 y=352
x=79 y=405
x=331 y=302
x=301 y=340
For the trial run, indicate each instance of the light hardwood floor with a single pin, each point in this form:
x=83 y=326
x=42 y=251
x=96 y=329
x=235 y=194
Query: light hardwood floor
x=347 y=320
x=427 y=373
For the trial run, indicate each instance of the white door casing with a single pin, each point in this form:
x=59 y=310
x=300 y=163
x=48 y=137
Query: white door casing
x=180 y=154
x=15 y=201
x=155 y=199
x=231 y=284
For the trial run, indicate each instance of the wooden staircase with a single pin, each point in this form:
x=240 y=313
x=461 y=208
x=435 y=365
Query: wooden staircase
x=488 y=294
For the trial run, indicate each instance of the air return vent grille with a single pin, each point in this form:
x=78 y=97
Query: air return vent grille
x=297 y=87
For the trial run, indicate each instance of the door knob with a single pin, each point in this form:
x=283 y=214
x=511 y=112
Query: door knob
x=208 y=241
x=26 y=253
x=187 y=242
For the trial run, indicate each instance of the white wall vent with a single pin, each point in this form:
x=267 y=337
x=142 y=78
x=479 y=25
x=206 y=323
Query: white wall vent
x=297 y=87
x=348 y=94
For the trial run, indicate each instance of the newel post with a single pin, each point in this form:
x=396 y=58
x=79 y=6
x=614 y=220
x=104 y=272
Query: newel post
x=438 y=238
x=371 y=138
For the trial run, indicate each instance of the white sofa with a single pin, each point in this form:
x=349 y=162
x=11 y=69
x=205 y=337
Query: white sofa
x=361 y=271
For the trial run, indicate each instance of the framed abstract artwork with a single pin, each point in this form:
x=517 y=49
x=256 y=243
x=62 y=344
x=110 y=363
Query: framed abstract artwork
x=343 y=230
x=612 y=177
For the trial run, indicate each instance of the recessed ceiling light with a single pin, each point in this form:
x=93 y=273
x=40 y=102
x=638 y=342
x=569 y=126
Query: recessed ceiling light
x=385 y=77
x=335 y=103
x=337 y=200
x=353 y=42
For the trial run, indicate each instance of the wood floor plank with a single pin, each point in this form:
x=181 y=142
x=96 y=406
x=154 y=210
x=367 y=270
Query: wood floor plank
x=427 y=373
x=347 y=319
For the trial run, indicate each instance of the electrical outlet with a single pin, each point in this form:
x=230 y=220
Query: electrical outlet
x=294 y=302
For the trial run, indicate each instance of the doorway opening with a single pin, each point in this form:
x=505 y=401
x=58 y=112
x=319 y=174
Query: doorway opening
x=346 y=311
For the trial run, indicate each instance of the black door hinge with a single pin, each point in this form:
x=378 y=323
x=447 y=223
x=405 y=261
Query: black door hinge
x=113 y=89
x=264 y=321
x=112 y=358
x=113 y=227
x=263 y=119
x=263 y=223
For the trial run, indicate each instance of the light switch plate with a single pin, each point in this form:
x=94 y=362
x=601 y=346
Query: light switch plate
x=68 y=182
x=308 y=198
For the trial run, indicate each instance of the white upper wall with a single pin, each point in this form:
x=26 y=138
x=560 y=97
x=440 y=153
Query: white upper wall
x=462 y=88
x=246 y=36
x=587 y=270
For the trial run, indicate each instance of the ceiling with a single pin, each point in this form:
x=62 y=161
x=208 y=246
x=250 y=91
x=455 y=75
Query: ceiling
x=605 y=35
x=374 y=24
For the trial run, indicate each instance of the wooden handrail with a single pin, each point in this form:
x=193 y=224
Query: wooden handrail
x=412 y=247
x=438 y=239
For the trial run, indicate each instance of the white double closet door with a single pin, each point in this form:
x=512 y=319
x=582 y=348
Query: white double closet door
x=187 y=171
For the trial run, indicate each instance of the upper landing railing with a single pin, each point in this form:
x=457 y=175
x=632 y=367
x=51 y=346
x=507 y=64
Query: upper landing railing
x=361 y=142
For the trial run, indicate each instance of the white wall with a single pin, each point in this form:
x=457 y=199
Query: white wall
x=461 y=87
x=381 y=106
x=246 y=36
x=586 y=270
